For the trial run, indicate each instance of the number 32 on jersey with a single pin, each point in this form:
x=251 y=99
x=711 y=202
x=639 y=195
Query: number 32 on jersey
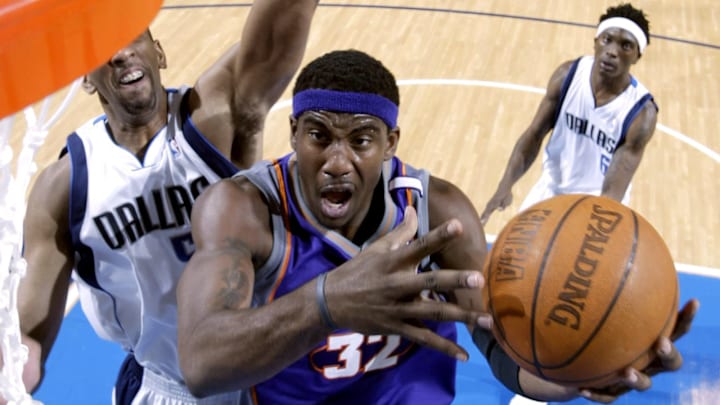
x=349 y=354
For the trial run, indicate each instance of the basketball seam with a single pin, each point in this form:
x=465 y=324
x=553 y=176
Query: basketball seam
x=538 y=280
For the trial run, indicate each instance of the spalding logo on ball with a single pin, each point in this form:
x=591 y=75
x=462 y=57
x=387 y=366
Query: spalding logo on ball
x=580 y=287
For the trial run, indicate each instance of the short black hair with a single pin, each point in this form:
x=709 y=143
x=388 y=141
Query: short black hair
x=626 y=10
x=348 y=70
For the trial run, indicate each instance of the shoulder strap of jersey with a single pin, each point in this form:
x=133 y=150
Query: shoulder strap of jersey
x=85 y=263
x=631 y=115
x=565 y=87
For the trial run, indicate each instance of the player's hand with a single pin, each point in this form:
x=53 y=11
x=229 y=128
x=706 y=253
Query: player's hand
x=499 y=201
x=30 y=372
x=668 y=359
x=377 y=291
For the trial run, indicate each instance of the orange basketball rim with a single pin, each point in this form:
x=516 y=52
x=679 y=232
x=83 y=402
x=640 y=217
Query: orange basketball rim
x=46 y=44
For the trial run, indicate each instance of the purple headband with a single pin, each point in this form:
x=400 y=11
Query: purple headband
x=346 y=102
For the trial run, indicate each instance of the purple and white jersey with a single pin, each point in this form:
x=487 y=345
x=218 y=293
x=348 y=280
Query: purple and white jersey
x=347 y=367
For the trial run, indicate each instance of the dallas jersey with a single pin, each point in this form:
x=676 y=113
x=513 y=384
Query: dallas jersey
x=584 y=136
x=348 y=367
x=130 y=225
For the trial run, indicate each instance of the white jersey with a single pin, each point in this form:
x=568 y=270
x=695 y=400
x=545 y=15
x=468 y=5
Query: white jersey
x=130 y=223
x=585 y=137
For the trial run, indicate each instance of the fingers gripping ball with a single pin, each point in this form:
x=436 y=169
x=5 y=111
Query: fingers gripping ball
x=580 y=287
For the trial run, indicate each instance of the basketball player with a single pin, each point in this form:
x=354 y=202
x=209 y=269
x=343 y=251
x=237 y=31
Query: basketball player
x=295 y=296
x=116 y=208
x=602 y=118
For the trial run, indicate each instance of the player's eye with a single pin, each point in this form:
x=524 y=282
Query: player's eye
x=362 y=141
x=316 y=135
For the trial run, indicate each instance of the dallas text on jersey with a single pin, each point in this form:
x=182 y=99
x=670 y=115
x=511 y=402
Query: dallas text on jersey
x=162 y=208
x=582 y=126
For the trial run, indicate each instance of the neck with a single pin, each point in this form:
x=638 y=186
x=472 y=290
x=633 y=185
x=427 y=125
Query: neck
x=605 y=89
x=134 y=131
x=609 y=85
x=373 y=217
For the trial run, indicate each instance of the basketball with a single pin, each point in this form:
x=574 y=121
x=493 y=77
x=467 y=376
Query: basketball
x=579 y=288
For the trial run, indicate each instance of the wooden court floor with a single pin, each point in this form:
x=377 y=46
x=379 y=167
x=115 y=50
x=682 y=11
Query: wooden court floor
x=472 y=73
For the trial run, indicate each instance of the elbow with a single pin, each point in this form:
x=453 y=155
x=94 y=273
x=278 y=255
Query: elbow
x=198 y=377
x=198 y=389
x=195 y=355
x=196 y=368
x=203 y=381
x=204 y=376
x=209 y=364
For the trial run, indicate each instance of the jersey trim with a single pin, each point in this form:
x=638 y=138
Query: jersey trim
x=564 y=88
x=207 y=151
x=285 y=264
x=632 y=114
x=77 y=205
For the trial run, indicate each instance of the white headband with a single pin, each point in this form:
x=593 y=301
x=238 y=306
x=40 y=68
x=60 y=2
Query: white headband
x=627 y=25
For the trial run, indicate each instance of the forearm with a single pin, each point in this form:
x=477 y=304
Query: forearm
x=236 y=349
x=278 y=31
x=541 y=390
x=613 y=191
x=522 y=157
x=619 y=174
x=513 y=377
x=528 y=145
x=42 y=298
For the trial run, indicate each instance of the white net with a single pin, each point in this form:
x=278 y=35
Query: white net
x=13 y=190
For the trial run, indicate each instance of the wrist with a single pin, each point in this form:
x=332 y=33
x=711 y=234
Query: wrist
x=321 y=301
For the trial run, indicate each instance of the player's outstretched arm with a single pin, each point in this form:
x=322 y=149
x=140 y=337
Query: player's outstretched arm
x=527 y=147
x=226 y=345
x=232 y=98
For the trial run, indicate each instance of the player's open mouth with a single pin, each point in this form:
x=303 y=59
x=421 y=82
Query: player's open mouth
x=334 y=201
x=131 y=77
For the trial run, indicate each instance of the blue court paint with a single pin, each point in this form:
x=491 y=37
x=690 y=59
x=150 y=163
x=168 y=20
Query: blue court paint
x=82 y=367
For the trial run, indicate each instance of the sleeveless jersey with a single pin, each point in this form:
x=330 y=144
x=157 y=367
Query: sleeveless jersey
x=130 y=226
x=585 y=137
x=348 y=367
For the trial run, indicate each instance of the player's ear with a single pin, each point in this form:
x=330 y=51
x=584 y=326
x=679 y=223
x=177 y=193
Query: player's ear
x=293 y=130
x=87 y=85
x=393 y=138
x=162 y=59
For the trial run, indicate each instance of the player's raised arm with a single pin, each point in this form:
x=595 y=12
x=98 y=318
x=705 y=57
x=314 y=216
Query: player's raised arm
x=232 y=98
